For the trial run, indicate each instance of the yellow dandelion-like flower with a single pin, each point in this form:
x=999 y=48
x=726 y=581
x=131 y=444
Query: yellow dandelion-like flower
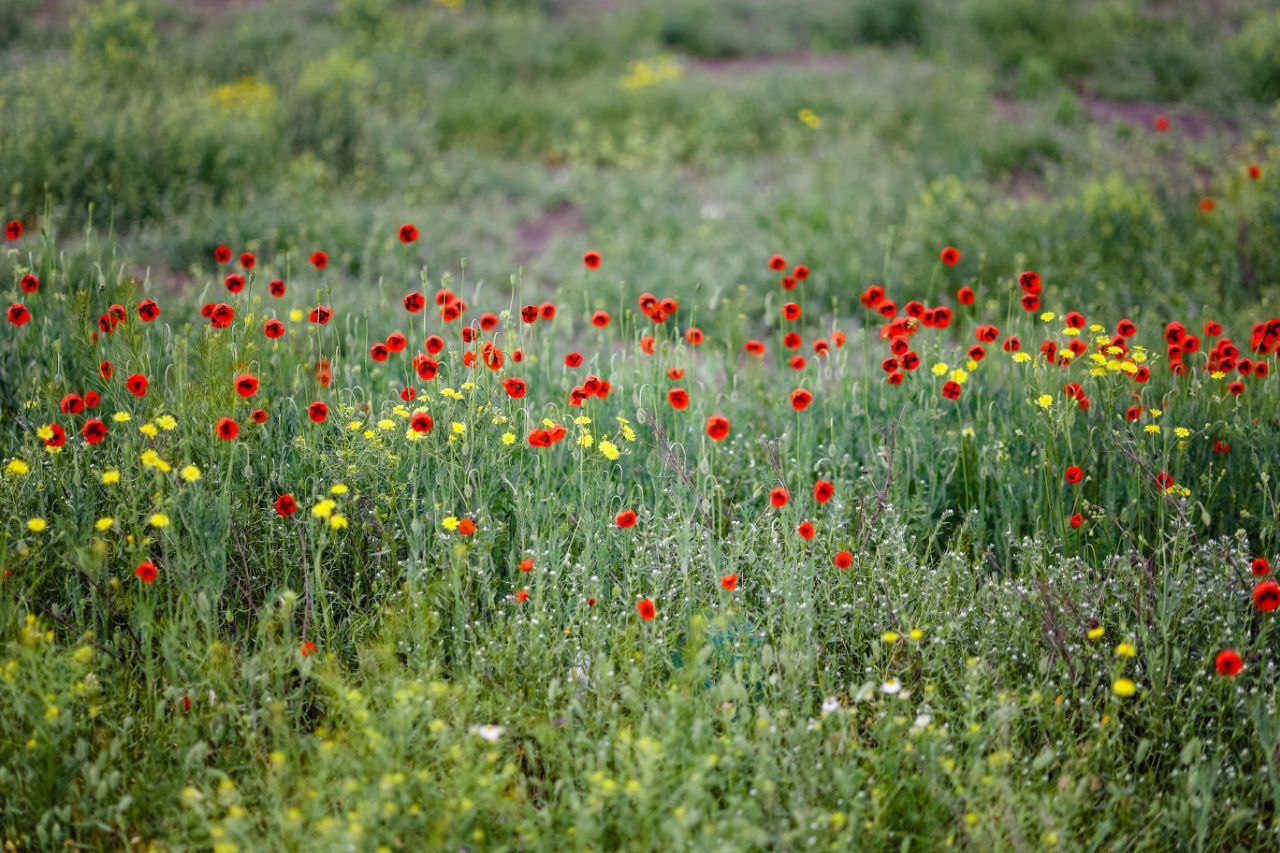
x=582 y=420
x=37 y=524
x=1096 y=632
x=168 y=423
x=889 y=636
x=458 y=428
x=609 y=449
x=338 y=522
x=295 y=316
x=1044 y=401
x=1181 y=432
x=959 y=377
x=158 y=520
x=111 y=477
x=917 y=634
x=508 y=438
x=190 y=473
x=1155 y=413
x=628 y=433
x=586 y=440
x=44 y=433
x=338 y=489
x=122 y=417
x=940 y=369
x=325 y=508
x=1022 y=357
x=1154 y=429
x=449 y=522
x=1048 y=317
x=1217 y=374
x=149 y=430
x=17 y=468
x=1126 y=650
x=354 y=426
x=1124 y=688
x=809 y=118
x=1071 y=332
x=386 y=424
x=104 y=523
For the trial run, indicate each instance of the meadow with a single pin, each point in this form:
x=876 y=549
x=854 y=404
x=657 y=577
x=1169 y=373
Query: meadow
x=548 y=424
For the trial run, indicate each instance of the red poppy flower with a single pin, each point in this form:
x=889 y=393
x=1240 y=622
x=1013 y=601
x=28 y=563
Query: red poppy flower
x=823 y=491
x=1077 y=520
x=678 y=398
x=18 y=314
x=319 y=260
x=148 y=310
x=58 y=438
x=137 y=385
x=227 y=429
x=1207 y=205
x=273 y=328
x=222 y=254
x=592 y=259
x=1255 y=171
x=754 y=347
x=777 y=262
x=800 y=399
x=965 y=295
x=779 y=496
x=320 y=314
x=318 y=411
x=307 y=649
x=106 y=369
x=694 y=336
x=515 y=387
x=646 y=609
x=950 y=256
x=1266 y=596
x=522 y=596
x=94 y=430
x=91 y=399
x=951 y=390
x=71 y=404
x=277 y=287
x=526 y=565
x=800 y=273
x=13 y=230
x=246 y=384
x=146 y=571
x=1030 y=302
x=258 y=416
x=626 y=518
x=1164 y=481
x=539 y=438
x=286 y=505
x=805 y=530
x=467 y=527
x=1221 y=446
x=415 y=302
x=234 y=282
x=843 y=560
x=1126 y=328
x=1161 y=124
x=247 y=260
x=791 y=311
x=718 y=427
x=408 y=233
x=1228 y=663
x=547 y=311
x=29 y=283
x=1259 y=566
x=378 y=352
x=1074 y=474
x=221 y=315
x=729 y=582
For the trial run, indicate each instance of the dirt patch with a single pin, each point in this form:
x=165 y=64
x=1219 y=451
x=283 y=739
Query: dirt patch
x=1189 y=123
x=534 y=235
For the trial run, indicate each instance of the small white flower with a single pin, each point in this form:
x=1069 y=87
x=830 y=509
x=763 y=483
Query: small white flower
x=489 y=733
x=831 y=705
x=923 y=719
x=891 y=687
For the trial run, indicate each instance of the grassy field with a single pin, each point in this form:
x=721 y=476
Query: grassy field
x=503 y=424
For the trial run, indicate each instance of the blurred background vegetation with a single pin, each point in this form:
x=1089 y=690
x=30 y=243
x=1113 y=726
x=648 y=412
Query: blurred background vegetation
x=678 y=136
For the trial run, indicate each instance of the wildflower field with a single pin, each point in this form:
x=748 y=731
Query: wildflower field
x=550 y=424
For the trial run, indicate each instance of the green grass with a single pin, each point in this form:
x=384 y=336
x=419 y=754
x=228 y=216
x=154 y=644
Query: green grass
x=950 y=687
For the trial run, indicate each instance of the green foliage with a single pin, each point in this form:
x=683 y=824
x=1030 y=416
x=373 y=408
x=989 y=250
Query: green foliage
x=1257 y=51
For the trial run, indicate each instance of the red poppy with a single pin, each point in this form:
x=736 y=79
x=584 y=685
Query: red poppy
x=246 y=384
x=694 y=336
x=592 y=259
x=320 y=314
x=823 y=491
x=843 y=560
x=1255 y=171
x=1030 y=302
x=58 y=437
x=1207 y=205
x=1260 y=566
x=29 y=283
x=800 y=273
x=1266 y=596
x=91 y=399
x=307 y=649
x=754 y=347
x=600 y=319
x=626 y=518
x=526 y=565
x=148 y=310
x=951 y=390
x=1076 y=520
x=18 y=314
x=433 y=344
x=529 y=313
x=146 y=571
x=222 y=254
x=1126 y=328
x=678 y=398
x=106 y=369
x=547 y=311
x=415 y=302
x=805 y=530
x=777 y=262
x=71 y=404
x=258 y=416
x=408 y=233
x=729 y=582
x=1221 y=446
x=515 y=387
x=247 y=260
x=277 y=287
x=94 y=430
x=779 y=496
x=1074 y=474
x=227 y=429
x=1164 y=481
x=467 y=527
x=950 y=256
x=378 y=352
x=319 y=260
x=791 y=311
x=13 y=230
x=800 y=399
x=221 y=315
x=522 y=596
x=286 y=505
x=234 y=282
x=318 y=411
x=1161 y=124
x=1228 y=663
x=965 y=295
x=273 y=328
x=137 y=385
x=646 y=609
x=718 y=427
